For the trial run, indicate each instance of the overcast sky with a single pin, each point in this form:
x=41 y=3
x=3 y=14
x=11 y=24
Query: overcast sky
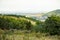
x=29 y=6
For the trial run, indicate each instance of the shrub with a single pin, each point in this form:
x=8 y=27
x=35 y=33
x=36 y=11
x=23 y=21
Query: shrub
x=53 y=25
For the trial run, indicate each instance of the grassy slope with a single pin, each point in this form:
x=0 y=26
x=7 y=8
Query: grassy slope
x=33 y=21
x=22 y=35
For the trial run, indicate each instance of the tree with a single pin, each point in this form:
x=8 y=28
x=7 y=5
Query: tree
x=53 y=25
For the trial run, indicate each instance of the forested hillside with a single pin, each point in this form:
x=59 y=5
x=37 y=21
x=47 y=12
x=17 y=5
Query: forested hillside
x=16 y=22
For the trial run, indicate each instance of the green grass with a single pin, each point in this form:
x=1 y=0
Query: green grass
x=24 y=35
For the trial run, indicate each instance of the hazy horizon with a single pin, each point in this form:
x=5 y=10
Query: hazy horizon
x=29 y=6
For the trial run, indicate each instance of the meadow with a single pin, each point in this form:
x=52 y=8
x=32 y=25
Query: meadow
x=25 y=35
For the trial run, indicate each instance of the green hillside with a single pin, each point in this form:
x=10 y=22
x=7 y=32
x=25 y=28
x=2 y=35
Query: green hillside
x=55 y=12
x=16 y=22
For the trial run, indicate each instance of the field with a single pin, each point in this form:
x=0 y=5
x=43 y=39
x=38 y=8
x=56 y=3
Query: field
x=25 y=35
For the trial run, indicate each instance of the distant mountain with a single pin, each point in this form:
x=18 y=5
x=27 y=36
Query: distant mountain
x=55 y=12
x=45 y=15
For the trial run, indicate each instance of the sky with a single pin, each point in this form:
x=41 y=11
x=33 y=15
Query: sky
x=29 y=6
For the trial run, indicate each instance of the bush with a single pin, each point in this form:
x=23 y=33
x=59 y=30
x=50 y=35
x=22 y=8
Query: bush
x=53 y=25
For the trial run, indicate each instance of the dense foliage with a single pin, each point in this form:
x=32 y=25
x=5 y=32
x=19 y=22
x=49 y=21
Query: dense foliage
x=11 y=22
x=53 y=25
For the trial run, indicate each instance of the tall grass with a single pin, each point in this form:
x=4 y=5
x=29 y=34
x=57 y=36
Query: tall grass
x=22 y=35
